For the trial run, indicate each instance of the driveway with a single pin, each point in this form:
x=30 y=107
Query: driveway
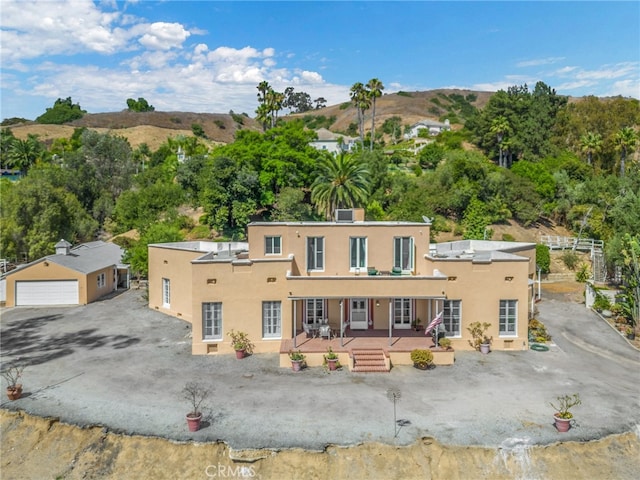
x=120 y=364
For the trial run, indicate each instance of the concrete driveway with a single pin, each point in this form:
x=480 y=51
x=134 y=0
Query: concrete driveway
x=119 y=364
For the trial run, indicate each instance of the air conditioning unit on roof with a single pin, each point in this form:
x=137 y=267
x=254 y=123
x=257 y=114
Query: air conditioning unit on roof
x=343 y=215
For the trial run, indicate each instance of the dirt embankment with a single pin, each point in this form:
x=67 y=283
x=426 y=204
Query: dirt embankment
x=34 y=447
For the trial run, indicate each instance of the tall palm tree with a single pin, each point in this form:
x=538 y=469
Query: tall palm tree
x=343 y=181
x=375 y=87
x=626 y=140
x=590 y=143
x=500 y=128
x=360 y=100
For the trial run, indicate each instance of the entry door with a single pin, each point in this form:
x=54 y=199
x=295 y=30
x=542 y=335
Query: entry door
x=358 y=314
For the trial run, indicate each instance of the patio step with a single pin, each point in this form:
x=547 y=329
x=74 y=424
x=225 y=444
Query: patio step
x=369 y=360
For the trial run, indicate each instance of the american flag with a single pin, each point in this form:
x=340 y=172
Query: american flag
x=434 y=323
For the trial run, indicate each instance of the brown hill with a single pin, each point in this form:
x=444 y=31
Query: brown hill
x=153 y=128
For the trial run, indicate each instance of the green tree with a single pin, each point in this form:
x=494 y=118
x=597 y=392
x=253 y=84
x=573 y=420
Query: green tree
x=290 y=206
x=140 y=105
x=501 y=129
x=374 y=91
x=342 y=182
x=626 y=141
x=361 y=101
x=35 y=214
x=24 y=153
x=590 y=143
x=475 y=221
x=62 y=111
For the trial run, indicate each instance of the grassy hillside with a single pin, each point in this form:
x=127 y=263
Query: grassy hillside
x=153 y=128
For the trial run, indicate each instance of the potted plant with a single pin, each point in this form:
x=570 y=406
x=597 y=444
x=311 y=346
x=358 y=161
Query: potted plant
x=297 y=360
x=195 y=394
x=417 y=326
x=631 y=334
x=562 y=417
x=445 y=343
x=480 y=340
x=241 y=343
x=12 y=376
x=421 y=358
x=331 y=359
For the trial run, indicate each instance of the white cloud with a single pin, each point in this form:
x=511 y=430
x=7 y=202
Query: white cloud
x=163 y=36
x=539 y=61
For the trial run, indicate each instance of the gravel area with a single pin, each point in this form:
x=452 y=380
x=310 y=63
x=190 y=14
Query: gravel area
x=120 y=364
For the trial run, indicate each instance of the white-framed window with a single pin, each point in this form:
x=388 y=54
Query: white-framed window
x=402 y=312
x=102 y=281
x=403 y=253
x=212 y=321
x=315 y=253
x=271 y=319
x=358 y=252
x=166 y=292
x=451 y=317
x=314 y=310
x=273 y=245
x=508 y=318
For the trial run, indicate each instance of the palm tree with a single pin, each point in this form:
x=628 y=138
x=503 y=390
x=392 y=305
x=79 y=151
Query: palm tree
x=24 y=153
x=500 y=128
x=590 y=142
x=263 y=110
x=343 y=181
x=360 y=100
x=626 y=140
x=375 y=87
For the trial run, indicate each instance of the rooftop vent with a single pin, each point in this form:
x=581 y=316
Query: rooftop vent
x=344 y=215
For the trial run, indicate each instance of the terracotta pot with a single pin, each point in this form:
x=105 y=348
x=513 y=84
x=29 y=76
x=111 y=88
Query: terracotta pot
x=14 y=393
x=193 y=421
x=240 y=354
x=296 y=365
x=332 y=363
x=562 y=424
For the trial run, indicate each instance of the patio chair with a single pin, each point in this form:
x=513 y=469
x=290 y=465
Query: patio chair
x=325 y=331
x=396 y=271
x=311 y=333
x=372 y=271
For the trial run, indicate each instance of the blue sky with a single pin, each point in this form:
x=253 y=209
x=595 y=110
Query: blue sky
x=209 y=56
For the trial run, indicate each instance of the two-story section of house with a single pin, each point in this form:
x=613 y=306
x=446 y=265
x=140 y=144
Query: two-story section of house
x=359 y=278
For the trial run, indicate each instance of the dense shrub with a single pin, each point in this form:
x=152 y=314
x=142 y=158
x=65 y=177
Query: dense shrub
x=543 y=259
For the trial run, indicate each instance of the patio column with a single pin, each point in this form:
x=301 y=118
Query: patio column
x=390 y=320
x=341 y=325
x=295 y=320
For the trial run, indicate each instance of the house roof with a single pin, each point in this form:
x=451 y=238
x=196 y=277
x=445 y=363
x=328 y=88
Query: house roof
x=90 y=257
x=84 y=258
x=429 y=123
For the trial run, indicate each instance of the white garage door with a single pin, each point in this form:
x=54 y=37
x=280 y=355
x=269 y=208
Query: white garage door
x=52 y=292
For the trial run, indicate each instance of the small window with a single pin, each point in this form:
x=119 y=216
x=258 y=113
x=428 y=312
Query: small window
x=166 y=293
x=315 y=253
x=508 y=318
x=273 y=245
x=212 y=321
x=101 y=280
x=451 y=317
x=358 y=252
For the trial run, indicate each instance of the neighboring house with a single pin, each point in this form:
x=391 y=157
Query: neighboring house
x=433 y=127
x=362 y=278
x=332 y=142
x=73 y=276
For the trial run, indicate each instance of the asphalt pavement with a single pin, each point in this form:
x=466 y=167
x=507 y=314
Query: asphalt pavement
x=119 y=364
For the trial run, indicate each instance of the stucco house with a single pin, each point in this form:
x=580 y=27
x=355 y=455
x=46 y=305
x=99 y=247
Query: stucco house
x=72 y=276
x=432 y=126
x=333 y=142
x=350 y=283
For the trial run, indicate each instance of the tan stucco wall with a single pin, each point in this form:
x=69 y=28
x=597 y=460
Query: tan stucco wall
x=175 y=265
x=93 y=292
x=45 y=270
x=242 y=285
